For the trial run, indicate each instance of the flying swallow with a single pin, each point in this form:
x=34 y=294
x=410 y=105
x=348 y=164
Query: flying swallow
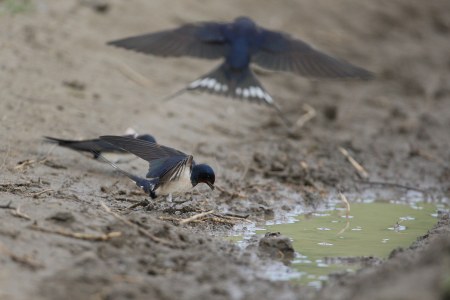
x=96 y=146
x=170 y=172
x=240 y=43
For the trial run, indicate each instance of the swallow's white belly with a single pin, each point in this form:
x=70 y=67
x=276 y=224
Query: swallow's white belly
x=182 y=185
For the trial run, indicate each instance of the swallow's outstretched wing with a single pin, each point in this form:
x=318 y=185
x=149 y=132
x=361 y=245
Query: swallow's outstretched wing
x=92 y=145
x=166 y=164
x=95 y=145
x=146 y=150
x=202 y=40
x=281 y=52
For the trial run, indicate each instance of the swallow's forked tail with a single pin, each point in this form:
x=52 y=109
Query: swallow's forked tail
x=235 y=83
x=147 y=185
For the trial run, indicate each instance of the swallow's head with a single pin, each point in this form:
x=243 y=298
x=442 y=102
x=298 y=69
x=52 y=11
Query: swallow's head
x=146 y=137
x=203 y=173
x=244 y=24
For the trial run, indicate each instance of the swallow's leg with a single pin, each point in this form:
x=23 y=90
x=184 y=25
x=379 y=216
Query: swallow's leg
x=169 y=198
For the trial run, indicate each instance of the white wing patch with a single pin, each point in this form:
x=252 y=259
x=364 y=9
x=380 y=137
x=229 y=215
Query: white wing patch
x=253 y=92
x=212 y=84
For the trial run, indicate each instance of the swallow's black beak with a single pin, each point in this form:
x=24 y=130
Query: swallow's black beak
x=211 y=186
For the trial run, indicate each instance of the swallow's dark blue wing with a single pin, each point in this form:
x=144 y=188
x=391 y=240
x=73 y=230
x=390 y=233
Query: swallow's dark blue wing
x=169 y=169
x=93 y=145
x=146 y=150
x=281 y=52
x=202 y=40
x=146 y=137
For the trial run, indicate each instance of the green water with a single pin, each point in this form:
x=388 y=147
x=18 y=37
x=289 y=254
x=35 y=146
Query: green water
x=373 y=229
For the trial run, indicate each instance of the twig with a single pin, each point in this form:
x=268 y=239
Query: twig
x=18 y=213
x=360 y=169
x=231 y=218
x=306 y=117
x=231 y=215
x=137 y=227
x=197 y=216
x=133 y=75
x=347 y=204
x=228 y=221
x=24 y=163
x=25 y=260
x=78 y=235
x=347 y=213
x=37 y=194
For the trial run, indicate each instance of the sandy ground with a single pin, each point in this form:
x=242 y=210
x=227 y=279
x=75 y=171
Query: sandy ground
x=58 y=78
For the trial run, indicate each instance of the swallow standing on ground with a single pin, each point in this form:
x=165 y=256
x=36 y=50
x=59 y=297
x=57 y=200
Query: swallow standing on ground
x=170 y=172
x=241 y=42
x=97 y=146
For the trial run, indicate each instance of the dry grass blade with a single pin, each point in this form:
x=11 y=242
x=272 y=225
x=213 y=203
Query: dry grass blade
x=37 y=194
x=24 y=164
x=197 y=216
x=347 y=213
x=347 y=224
x=24 y=260
x=137 y=227
x=133 y=75
x=226 y=220
x=209 y=216
x=18 y=213
x=358 y=167
x=305 y=118
x=78 y=235
x=347 y=204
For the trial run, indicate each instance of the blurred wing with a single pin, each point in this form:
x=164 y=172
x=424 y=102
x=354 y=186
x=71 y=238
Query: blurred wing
x=203 y=40
x=146 y=150
x=281 y=52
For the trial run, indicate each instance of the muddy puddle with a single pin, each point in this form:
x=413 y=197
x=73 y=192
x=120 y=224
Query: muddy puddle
x=331 y=240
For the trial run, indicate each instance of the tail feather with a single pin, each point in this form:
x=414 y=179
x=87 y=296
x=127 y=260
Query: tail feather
x=235 y=83
x=147 y=185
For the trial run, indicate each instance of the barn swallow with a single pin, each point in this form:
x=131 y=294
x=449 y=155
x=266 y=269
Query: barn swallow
x=97 y=146
x=170 y=172
x=240 y=43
